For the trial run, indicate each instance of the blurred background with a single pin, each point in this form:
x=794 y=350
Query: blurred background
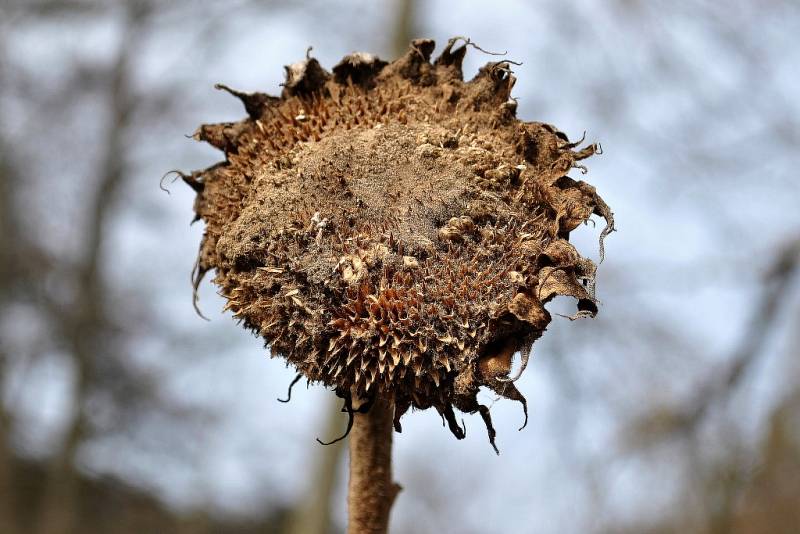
x=676 y=410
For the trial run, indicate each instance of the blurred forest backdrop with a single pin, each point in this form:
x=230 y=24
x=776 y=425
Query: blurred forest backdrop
x=676 y=410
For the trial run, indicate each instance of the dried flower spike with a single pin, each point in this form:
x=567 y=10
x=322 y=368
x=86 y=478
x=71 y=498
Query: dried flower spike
x=393 y=231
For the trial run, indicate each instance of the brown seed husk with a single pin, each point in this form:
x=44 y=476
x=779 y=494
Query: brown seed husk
x=391 y=230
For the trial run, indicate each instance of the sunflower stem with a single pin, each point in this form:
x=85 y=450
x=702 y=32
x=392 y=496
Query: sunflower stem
x=371 y=491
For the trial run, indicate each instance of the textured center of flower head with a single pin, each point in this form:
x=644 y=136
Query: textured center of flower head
x=391 y=230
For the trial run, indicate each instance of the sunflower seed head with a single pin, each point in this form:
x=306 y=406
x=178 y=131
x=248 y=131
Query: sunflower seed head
x=394 y=230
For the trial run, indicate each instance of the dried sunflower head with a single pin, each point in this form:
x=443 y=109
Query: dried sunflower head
x=391 y=230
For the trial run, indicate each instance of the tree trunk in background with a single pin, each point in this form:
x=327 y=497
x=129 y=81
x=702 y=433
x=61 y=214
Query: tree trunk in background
x=60 y=506
x=8 y=519
x=8 y=242
x=313 y=512
x=405 y=28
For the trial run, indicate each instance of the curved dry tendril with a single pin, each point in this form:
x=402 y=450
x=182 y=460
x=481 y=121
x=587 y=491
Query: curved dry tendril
x=189 y=179
x=583 y=314
x=348 y=407
x=289 y=393
x=468 y=42
x=178 y=174
x=197 y=277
